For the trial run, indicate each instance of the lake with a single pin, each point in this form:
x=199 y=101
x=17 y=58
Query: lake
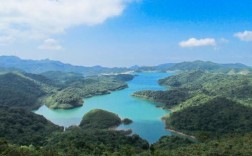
x=146 y=116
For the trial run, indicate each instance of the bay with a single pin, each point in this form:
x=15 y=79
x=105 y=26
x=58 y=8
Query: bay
x=146 y=116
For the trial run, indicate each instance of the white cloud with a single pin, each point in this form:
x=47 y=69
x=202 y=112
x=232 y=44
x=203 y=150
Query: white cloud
x=50 y=44
x=40 y=18
x=244 y=36
x=193 y=42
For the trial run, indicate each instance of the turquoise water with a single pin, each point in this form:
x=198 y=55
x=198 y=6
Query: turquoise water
x=145 y=115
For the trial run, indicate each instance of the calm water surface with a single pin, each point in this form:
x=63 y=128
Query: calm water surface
x=145 y=115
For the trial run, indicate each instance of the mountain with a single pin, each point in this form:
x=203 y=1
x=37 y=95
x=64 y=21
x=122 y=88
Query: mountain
x=236 y=68
x=161 y=67
x=57 y=90
x=207 y=66
x=23 y=90
x=41 y=66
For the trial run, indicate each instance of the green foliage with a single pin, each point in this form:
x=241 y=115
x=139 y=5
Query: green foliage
x=211 y=67
x=39 y=137
x=196 y=100
x=19 y=91
x=62 y=77
x=7 y=149
x=183 y=78
x=127 y=121
x=78 y=141
x=216 y=117
x=168 y=98
x=170 y=142
x=100 y=119
x=205 y=84
x=24 y=128
x=196 y=65
x=65 y=99
x=123 y=77
x=232 y=145
x=194 y=96
x=30 y=91
x=73 y=93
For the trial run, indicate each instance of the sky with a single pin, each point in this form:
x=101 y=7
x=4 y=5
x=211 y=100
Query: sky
x=127 y=32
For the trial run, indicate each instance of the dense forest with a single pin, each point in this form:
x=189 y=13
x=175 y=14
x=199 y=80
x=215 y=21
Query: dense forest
x=57 y=91
x=196 y=87
x=209 y=101
x=24 y=133
x=213 y=106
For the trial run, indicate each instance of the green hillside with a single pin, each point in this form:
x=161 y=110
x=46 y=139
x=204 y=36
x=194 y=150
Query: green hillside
x=206 y=104
x=21 y=127
x=232 y=145
x=100 y=119
x=22 y=91
x=216 y=117
x=39 y=137
x=196 y=87
x=166 y=99
x=72 y=93
x=30 y=91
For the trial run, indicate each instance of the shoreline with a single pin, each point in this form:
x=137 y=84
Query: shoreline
x=182 y=134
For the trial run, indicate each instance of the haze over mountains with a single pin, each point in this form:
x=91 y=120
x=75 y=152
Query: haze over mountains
x=41 y=66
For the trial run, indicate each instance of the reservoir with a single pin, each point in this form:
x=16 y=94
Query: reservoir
x=146 y=116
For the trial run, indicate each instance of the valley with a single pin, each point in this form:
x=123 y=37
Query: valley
x=85 y=115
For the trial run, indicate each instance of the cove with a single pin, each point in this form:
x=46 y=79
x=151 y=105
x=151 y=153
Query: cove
x=146 y=116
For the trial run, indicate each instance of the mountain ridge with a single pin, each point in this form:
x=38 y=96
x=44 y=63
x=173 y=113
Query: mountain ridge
x=46 y=65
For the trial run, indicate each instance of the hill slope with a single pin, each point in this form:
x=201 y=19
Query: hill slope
x=21 y=127
x=22 y=90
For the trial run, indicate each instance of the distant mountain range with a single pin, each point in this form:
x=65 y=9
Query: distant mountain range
x=41 y=66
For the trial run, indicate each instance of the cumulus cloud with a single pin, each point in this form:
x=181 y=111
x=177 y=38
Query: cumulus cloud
x=50 y=44
x=244 y=36
x=40 y=18
x=193 y=42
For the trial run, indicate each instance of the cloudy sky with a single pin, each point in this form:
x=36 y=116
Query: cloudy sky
x=127 y=32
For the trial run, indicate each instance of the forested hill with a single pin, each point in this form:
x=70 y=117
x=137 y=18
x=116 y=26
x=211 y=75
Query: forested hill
x=64 y=90
x=207 y=66
x=195 y=87
x=212 y=107
x=21 y=90
x=235 y=68
x=39 y=137
x=25 y=128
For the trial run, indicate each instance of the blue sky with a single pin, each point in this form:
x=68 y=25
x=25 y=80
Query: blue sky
x=128 y=32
